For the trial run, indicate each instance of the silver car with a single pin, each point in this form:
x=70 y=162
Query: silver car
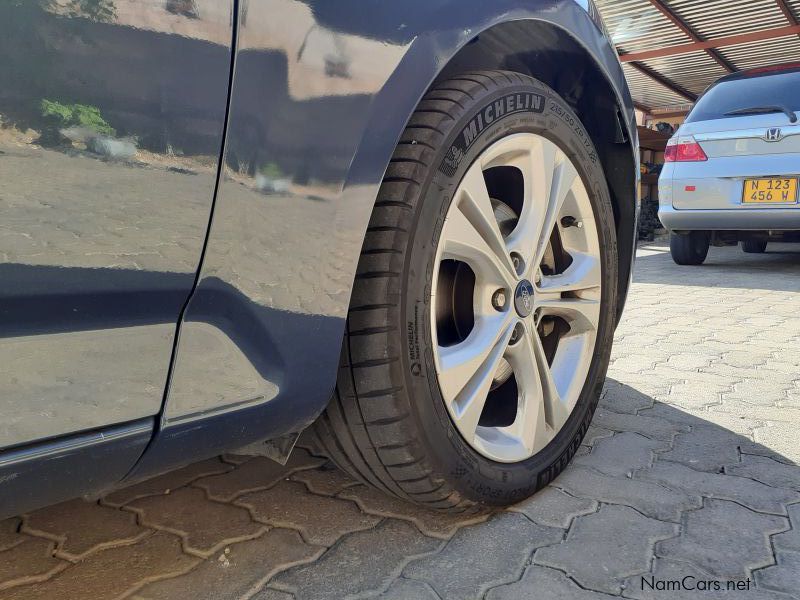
x=732 y=169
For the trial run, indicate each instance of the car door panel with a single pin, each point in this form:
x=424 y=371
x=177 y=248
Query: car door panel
x=112 y=117
x=277 y=271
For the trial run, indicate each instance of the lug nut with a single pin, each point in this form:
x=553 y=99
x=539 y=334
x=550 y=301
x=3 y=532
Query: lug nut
x=499 y=299
x=518 y=263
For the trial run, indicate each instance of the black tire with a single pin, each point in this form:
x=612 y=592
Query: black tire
x=387 y=423
x=754 y=246
x=689 y=248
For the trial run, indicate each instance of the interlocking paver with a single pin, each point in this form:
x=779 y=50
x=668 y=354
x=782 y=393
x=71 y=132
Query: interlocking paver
x=767 y=413
x=362 y=562
x=271 y=594
x=320 y=519
x=256 y=474
x=764 y=449
x=81 y=527
x=650 y=498
x=699 y=390
x=166 y=483
x=781 y=439
x=238 y=570
x=484 y=556
x=429 y=522
x=542 y=583
x=750 y=493
x=789 y=540
x=651 y=427
x=594 y=434
x=205 y=526
x=767 y=470
x=113 y=572
x=724 y=539
x=785 y=575
x=327 y=480
x=408 y=589
x=621 y=454
x=705 y=448
x=29 y=561
x=604 y=548
x=554 y=508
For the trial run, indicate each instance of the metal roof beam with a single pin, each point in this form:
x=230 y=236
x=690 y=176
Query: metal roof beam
x=731 y=40
x=667 y=83
x=787 y=12
x=669 y=13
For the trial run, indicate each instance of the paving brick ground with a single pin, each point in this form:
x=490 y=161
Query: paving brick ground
x=689 y=473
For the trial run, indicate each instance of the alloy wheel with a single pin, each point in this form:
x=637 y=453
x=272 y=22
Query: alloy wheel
x=515 y=300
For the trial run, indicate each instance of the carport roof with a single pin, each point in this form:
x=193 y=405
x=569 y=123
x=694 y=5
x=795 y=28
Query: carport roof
x=671 y=50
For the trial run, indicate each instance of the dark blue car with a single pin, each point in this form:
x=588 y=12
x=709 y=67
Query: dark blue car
x=406 y=227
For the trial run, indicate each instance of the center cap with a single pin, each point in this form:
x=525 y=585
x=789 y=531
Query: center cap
x=523 y=298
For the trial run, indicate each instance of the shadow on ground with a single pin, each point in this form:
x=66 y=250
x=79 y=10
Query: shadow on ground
x=655 y=496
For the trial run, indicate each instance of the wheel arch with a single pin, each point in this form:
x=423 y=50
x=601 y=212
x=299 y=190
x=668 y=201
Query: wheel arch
x=594 y=87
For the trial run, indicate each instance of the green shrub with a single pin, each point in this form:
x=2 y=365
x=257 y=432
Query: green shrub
x=271 y=171
x=82 y=115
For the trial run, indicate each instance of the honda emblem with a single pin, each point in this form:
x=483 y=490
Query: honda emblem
x=774 y=134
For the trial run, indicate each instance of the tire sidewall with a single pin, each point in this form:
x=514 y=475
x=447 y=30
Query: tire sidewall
x=472 y=474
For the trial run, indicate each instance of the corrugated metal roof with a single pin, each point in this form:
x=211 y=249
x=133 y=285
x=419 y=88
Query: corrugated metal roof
x=702 y=70
x=761 y=54
x=635 y=25
x=718 y=18
x=641 y=26
x=648 y=91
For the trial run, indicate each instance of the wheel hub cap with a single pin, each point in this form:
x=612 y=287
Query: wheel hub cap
x=523 y=298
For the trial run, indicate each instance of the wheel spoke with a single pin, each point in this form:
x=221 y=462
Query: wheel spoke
x=471 y=233
x=536 y=165
x=582 y=315
x=530 y=427
x=556 y=411
x=564 y=178
x=466 y=370
x=583 y=274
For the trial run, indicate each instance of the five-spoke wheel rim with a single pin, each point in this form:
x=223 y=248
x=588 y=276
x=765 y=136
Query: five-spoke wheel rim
x=515 y=299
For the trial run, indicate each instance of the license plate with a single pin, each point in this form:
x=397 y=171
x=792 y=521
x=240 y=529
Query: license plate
x=780 y=190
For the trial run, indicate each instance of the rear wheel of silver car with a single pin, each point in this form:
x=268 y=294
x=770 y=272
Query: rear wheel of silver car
x=689 y=248
x=482 y=314
x=754 y=246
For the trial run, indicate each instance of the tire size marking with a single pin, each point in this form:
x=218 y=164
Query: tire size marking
x=556 y=109
x=412 y=331
x=490 y=113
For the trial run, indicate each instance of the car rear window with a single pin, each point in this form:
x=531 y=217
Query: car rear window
x=748 y=92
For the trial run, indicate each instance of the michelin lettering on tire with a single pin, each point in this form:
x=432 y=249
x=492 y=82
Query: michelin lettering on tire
x=492 y=112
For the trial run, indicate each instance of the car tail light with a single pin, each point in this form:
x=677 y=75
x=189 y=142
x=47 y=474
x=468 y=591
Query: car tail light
x=684 y=149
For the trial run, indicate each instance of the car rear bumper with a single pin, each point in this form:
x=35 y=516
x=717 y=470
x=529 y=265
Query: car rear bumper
x=749 y=219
